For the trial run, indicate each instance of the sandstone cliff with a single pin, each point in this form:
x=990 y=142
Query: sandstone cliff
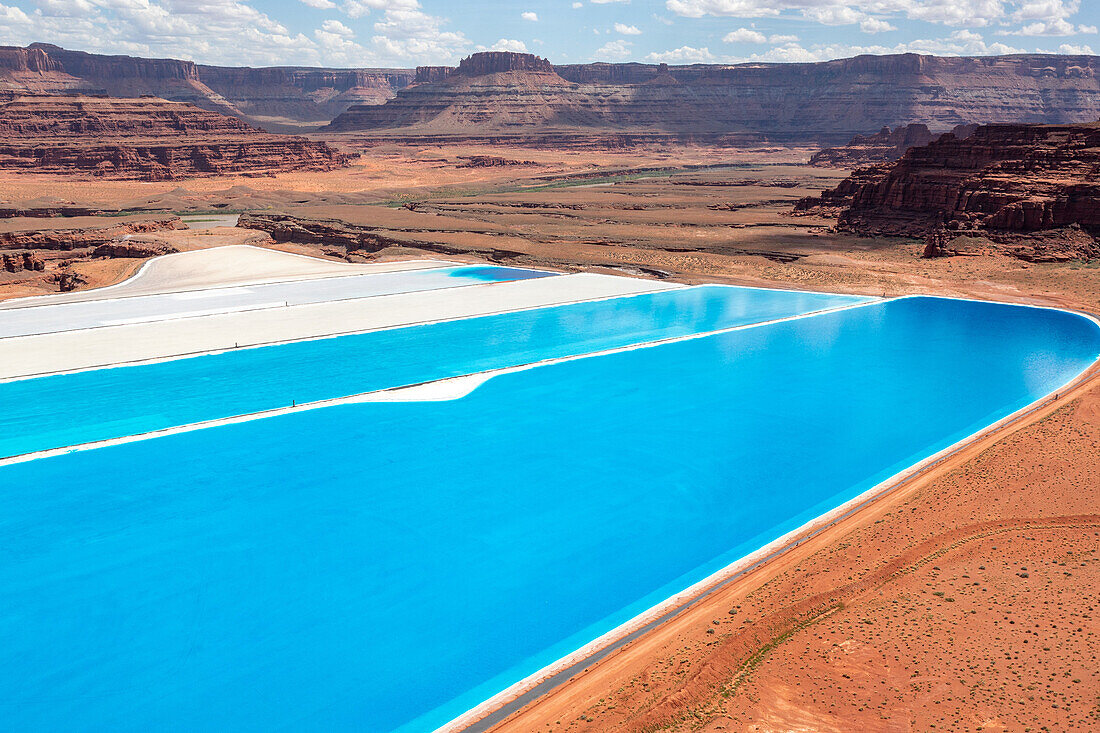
x=497 y=95
x=274 y=98
x=1001 y=182
x=145 y=138
x=825 y=102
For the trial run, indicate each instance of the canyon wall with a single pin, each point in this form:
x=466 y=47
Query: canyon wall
x=826 y=102
x=500 y=95
x=145 y=138
x=1000 y=182
x=280 y=98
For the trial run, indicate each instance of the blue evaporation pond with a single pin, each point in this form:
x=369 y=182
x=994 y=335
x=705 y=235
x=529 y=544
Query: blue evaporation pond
x=46 y=318
x=386 y=566
x=51 y=412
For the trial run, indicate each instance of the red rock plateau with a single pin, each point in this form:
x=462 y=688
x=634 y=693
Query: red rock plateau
x=883 y=147
x=278 y=99
x=81 y=232
x=1003 y=182
x=145 y=139
x=521 y=98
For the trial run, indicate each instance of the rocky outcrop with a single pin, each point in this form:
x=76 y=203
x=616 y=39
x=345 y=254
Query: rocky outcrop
x=885 y=146
x=499 y=62
x=133 y=249
x=18 y=261
x=489 y=161
x=281 y=98
x=145 y=139
x=826 y=102
x=79 y=233
x=1002 y=182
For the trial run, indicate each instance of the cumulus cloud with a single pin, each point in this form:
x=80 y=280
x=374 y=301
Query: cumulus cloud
x=627 y=30
x=959 y=43
x=319 y=4
x=1076 y=50
x=682 y=55
x=1051 y=17
x=613 y=50
x=875 y=25
x=506 y=44
x=1056 y=27
x=745 y=35
x=577 y=5
x=530 y=15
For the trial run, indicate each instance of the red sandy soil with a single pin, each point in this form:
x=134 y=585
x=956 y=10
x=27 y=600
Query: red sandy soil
x=965 y=600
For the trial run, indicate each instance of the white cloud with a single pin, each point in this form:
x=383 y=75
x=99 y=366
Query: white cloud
x=1050 y=16
x=507 y=44
x=683 y=55
x=876 y=25
x=1056 y=27
x=661 y=19
x=319 y=4
x=834 y=15
x=605 y=2
x=778 y=39
x=335 y=26
x=627 y=30
x=529 y=15
x=577 y=5
x=959 y=43
x=1075 y=50
x=13 y=16
x=745 y=35
x=613 y=50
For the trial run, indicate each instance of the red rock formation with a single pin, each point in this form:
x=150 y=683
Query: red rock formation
x=489 y=161
x=824 y=103
x=431 y=74
x=147 y=139
x=130 y=249
x=1001 y=181
x=882 y=147
x=275 y=98
x=827 y=102
x=498 y=62
x=78 y=233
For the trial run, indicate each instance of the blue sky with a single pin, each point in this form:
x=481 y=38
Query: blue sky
x=407 y=33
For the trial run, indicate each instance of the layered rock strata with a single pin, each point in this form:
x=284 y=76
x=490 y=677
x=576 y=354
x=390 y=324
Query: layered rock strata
x=1002 y=182
x=497 y=95
x=79 y=233
x=279 y=98
x=145 y=139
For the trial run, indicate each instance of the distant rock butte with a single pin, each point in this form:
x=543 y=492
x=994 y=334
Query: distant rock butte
x=1001 y=182
x=520 y=96
x=145 y=139
x=883 y=147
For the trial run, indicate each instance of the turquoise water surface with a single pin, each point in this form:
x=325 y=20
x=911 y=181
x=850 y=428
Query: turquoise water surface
x=386 y=566
x=111 y=403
